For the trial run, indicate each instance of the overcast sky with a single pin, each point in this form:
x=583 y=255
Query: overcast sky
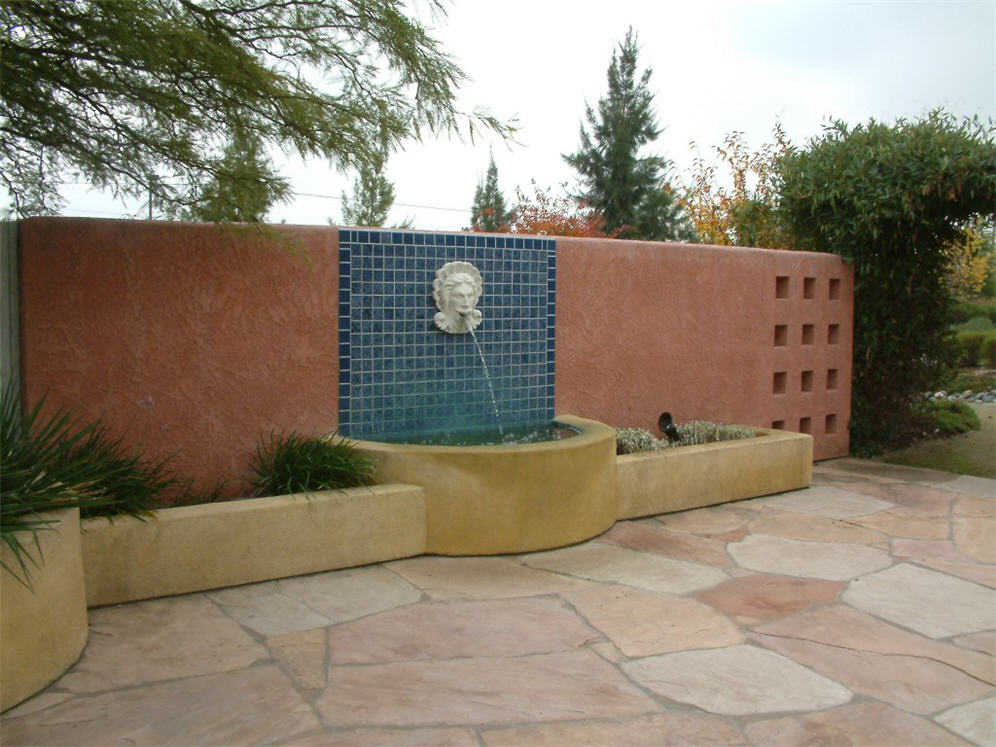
x=717 y=67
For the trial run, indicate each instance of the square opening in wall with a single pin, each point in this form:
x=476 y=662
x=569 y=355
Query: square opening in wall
x=809 y=288
x=808 y=334
x=834 y=289
x=782 y=286
x=778 y=425
x=781 y=335
x=831 y=379
x=830 y=427
x=806 y=425
x=780 y=380
x=833 y=334
x=807 y=381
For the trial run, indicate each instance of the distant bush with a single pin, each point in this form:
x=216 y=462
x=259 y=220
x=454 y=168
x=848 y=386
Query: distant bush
x=971 y=347
x=975 y=324
x=944 y=418
x=988 y=356
x=963 y=311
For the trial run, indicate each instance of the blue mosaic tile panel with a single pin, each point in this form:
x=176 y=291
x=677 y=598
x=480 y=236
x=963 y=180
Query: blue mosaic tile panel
x=400 y=375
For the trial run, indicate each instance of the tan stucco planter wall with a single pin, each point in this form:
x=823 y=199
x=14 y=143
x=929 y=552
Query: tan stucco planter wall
x=691 y=476
x=483 y=500
x=42 y=629
x=490 y=500
x=213 y=545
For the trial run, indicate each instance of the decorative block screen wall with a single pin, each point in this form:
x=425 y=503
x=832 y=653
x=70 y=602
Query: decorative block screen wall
x=399 y=375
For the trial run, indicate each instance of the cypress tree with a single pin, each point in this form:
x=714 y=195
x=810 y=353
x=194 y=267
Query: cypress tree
x=630 y=190
x=488 y=212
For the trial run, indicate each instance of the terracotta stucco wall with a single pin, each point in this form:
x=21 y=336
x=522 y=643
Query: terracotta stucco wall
x=188 y=339
x=194 y=341
x=647 y=327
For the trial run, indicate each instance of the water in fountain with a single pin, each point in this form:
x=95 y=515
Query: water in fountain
x=491 y=389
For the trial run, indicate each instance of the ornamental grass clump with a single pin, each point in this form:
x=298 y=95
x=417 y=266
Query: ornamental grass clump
x=296 y=464
x=55 y=461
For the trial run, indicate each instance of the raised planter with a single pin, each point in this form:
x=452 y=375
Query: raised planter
x=658 y=482
x=42 y=629
x=545 y=499
x=212 y=545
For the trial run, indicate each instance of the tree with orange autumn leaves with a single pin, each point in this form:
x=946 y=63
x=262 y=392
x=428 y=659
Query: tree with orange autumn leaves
x=543 y=214
x=744 y=214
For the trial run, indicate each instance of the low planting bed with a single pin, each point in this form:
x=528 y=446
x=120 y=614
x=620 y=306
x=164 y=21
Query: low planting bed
x=212 y=545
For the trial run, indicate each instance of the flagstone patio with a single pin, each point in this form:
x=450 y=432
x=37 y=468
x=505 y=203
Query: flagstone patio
x=861 y=610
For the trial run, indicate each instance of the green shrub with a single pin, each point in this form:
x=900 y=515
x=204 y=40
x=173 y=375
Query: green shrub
x=975 y=324
x=970 y=347
x=888 y=199
x=635 y=440
x=57 y=461
x=988 y=356
x=948 y=418
x=964 y=310
x=296 y=464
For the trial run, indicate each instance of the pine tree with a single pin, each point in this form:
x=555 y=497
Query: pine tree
x=373 y=193
x=244 y=186
x=630 y=190
x=488 y=212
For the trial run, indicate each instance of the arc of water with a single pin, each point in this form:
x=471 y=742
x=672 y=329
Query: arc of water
x=487 y=376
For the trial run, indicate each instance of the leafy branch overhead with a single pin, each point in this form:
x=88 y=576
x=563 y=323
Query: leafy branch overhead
x=139 y=95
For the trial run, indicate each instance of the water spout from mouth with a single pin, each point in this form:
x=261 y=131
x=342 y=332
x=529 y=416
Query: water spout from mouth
x=487 y=376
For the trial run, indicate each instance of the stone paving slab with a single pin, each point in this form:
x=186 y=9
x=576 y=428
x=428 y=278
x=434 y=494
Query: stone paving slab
x=547 y=687
x=251 y=706
x=848 y=629
x=646 y=731
x=598 y=561
x=642 y=623
x=834 y=561
x=446 y=630
x=833 y=503
x=924 y=600
x=974 y=721
x=737 y=680
x=914 y=684
x=306 y=602
x=859 y=611
x=872 y=724
x=146 y=642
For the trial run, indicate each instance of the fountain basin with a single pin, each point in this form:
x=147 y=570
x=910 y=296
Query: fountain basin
x=580 y=489
x=486 y=500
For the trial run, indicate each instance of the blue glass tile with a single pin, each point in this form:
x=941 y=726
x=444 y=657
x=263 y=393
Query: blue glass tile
x=399 y=374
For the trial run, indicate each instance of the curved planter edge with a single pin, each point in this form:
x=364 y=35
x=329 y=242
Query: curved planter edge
x=43 y=629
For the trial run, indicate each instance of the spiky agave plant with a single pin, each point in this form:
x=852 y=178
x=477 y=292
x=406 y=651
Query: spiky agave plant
x=54 y=460
x=298 y=464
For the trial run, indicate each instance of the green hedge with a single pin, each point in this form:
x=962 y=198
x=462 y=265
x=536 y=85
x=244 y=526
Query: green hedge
x=989 y=351
x=976 y=348
x=963 y=311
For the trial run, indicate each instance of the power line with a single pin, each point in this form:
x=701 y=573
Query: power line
x=399 y=204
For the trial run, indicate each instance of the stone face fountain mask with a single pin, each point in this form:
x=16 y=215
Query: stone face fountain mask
x=456 y=290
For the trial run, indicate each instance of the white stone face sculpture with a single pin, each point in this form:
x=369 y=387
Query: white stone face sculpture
x=456 y=290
